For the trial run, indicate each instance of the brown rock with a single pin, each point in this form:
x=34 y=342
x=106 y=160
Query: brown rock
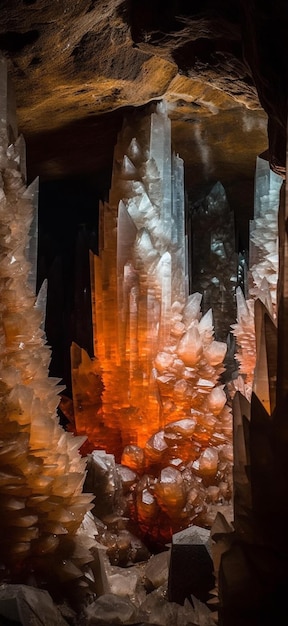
x=71 y=62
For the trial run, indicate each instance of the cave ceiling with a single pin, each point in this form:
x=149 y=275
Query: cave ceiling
x=76 y=65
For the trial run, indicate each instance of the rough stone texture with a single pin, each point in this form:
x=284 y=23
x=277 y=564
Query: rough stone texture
x=265 y=50
x=87 y=57
x=71 y=62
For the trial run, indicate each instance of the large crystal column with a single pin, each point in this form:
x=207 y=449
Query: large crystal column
x=41 y=470
x=157 y=357
x=161 y=410
x=132 y=282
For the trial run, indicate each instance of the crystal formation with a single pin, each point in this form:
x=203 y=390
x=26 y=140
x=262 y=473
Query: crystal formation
x=263 y=253
x=42 y=473
x=191 y=565
x=20 y=604
x=254 y=563
x=262 y=276
x=161 y=410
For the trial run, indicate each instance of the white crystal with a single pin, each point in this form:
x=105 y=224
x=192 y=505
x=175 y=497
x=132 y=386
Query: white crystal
x=190 y=347
x=110 y=607
x=217 y=400
x=156 y=570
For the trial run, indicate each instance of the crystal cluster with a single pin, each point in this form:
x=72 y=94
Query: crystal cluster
x=160 y=409
x=214 y=259
x=263 y=253
x=252 y=559
x=181 y=477
x=262 y=275
x=244 y=331
x=42 y=472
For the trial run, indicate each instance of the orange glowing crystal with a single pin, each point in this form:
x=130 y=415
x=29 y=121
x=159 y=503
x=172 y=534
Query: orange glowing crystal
x=161 y=406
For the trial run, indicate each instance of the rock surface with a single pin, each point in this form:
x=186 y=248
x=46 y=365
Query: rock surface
x=28 y=606
x=90 y=57
x=74 y=63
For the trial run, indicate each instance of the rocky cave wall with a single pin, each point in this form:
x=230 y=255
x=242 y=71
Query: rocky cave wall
x=75 y=64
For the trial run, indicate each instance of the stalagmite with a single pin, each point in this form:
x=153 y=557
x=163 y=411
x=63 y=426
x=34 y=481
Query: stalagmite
x=160 y=409
x=214 y=258
x=42 y=472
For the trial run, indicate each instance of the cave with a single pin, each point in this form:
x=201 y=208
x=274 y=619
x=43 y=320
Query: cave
x=76 y=74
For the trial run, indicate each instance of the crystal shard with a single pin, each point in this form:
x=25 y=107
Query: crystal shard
x=214 y=259
x=32 y=245
x=254 y=563
x=191 y=567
